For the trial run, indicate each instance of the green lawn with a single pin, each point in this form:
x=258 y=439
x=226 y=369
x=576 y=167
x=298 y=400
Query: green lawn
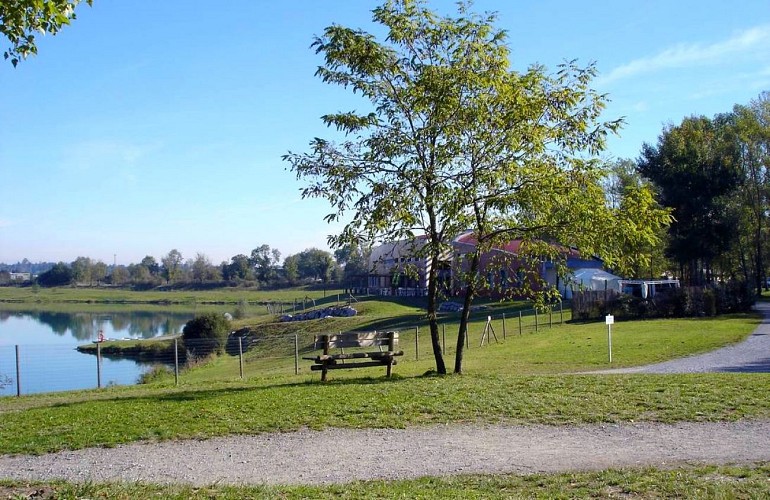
x=523 y=378
x=696 y=482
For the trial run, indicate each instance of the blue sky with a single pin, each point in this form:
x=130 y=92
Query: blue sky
x=150 y=125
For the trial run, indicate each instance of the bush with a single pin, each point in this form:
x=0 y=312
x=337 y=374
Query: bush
x=157 y=373
x=206 y=334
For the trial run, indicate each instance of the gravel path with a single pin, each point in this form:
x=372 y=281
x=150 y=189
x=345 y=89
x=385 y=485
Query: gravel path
x=303 y=457
x=751 y=355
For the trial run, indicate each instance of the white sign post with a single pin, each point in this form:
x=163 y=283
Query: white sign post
x=610 y=320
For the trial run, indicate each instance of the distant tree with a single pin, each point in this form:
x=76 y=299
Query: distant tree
x=59 y=275
x=206 y=334
x=695 y=167
x=238 y=269
x=314 y=263
x=264 y=260
x=172 y=263
x=291 y=268
x=354 y=261
x=152 y=266
x=120 y=275
x=21 y=20
x=98 y=271
x=82 y=269
x=202 y=269
x=752 y=133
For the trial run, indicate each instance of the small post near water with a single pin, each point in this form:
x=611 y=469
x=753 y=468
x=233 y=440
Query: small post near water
x=18 y=373
x=609 y=320
x=99 y=365
x=240 y=356
x=176 y=361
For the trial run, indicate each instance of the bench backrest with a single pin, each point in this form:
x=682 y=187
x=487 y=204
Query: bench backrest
x=356 y=339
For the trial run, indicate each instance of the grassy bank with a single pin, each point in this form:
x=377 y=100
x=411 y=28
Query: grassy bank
x=691 y=482
x=38 y=424
x=95 y=295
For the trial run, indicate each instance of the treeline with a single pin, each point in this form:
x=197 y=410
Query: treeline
x=261 y=268
x=714 y=175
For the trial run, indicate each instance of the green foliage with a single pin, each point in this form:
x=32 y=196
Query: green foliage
x=158 y=373
x=457 y=141
x=206 y=334
x=695 y=167
x=59 y=275
x=20 y=20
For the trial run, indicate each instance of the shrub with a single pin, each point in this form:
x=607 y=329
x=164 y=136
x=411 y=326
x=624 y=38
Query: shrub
x=206 y=334
x=157 y=373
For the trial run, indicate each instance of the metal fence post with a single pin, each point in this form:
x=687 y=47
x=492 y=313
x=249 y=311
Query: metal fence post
x=99 y=365
x=296 y=354
x=176 y=361
x=561 y=314
x=18 y=373
x=503 y=326
x=417 y=342
x=519 y=322
x=536 y=322
x=443 y=336
x=550 y=318
x=240 y=356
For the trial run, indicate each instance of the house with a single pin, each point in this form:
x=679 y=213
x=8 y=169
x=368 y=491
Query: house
x=401 y=268
x=20 y=277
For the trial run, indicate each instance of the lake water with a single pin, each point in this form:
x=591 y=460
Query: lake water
x=46 y=343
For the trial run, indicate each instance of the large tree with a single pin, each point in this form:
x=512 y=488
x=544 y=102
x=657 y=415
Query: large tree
x=455 y=139
x=752 y=133
x=695 y=166
x=21 y=20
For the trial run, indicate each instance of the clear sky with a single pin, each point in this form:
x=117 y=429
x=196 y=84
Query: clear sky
x=149 y=125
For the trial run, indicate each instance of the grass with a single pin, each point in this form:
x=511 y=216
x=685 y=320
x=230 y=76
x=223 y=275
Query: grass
x=682 y=482
x=513 y=381
x=230 y=295
x=39 y=424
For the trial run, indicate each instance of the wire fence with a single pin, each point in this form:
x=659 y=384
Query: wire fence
x=28 y=369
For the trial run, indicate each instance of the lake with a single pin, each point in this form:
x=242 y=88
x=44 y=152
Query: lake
x=46 y=343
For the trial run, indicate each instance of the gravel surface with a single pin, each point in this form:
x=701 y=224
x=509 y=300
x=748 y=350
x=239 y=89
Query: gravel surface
x=338 y=456
x=343 y=455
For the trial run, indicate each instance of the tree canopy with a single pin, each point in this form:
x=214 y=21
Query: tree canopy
x=456 y=140
x=21 y=20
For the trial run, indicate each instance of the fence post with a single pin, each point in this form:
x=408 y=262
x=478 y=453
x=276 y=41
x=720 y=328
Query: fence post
x=240 y=355
x=503 y=326
x=467 y=337
x=561 y=314
x=296 y=354
x=550 y=318
x=536 y=321
x=519 y=322
x=176 y=361
x=417 y=342
x=18 y=373
x=443 y=335
x=99 y=365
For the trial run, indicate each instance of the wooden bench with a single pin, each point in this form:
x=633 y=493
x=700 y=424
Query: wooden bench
x=327 y=361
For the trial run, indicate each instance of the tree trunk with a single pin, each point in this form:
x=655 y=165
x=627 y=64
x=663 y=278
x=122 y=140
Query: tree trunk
x=470 y=291
x=432 y=310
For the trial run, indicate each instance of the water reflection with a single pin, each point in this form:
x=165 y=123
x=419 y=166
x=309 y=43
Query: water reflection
x=85 y=326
